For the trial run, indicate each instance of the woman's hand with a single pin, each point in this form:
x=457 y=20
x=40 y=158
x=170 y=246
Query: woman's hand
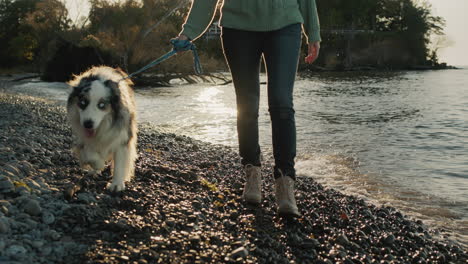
x=181 y=37
x=314 y=49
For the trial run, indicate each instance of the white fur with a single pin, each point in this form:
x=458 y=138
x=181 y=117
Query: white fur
x=110 y=142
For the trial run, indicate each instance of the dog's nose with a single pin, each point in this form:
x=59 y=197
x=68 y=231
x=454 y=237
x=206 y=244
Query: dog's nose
x=88 y=124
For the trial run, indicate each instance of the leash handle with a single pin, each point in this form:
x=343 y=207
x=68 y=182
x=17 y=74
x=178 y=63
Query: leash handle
x=178 y=46
x=185 y=45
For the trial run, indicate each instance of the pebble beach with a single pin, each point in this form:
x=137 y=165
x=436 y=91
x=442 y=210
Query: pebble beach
x=183 y=206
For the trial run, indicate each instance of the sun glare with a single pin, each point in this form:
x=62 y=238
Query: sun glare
x=210 y=102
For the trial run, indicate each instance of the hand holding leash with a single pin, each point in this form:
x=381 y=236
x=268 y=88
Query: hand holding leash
x=314 y=49
x=179 y=45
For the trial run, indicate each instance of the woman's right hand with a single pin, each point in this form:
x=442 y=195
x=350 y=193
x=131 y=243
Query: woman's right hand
x=181 y=37
x=313 y=52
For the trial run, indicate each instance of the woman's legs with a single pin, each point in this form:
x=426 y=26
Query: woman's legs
x=281 y=53
x=243 y=50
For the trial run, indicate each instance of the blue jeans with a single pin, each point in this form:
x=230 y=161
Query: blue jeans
x=280 y=49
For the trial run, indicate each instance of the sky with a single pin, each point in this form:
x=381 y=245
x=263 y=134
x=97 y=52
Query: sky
x=453 y=11
x=455 y=14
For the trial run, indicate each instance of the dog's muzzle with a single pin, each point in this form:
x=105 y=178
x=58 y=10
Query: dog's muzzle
x=88 y=128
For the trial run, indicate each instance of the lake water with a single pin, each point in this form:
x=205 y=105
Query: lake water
x=399 y=139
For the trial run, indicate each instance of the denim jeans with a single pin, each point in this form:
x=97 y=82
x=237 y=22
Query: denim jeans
x=280 y=49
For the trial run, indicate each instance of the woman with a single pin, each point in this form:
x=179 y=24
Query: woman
x=250 y=29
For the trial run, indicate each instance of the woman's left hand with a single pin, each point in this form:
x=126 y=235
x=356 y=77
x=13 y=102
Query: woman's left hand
x=314 y=48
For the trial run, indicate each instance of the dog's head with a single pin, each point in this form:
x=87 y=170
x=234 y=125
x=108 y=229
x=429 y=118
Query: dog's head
x=95 y=100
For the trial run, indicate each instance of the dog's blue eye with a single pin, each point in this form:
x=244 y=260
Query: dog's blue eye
x=83 y=103
x=101 y=105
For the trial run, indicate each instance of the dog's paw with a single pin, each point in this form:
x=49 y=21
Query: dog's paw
x=116 y=186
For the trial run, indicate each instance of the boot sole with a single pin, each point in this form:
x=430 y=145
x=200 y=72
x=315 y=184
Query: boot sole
x=288 y=213
x=253 y=201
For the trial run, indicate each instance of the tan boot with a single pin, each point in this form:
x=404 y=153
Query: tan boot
x=284 y=190
x=253 y=185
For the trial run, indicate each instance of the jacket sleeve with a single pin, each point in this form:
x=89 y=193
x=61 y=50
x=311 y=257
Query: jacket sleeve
x=199 y=18
x=309 y=13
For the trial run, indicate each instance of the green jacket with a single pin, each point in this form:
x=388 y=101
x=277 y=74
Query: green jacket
x=254 y=15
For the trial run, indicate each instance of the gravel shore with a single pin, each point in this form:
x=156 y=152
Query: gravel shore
x=183 y=206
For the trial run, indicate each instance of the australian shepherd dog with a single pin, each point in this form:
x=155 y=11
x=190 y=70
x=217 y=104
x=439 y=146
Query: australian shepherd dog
x=101 y=112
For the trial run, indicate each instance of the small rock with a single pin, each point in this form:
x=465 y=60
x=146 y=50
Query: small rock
x=38 y=244
x=241 y=252
x=5 y=203
x=389 y=240
x=237 y=185
x=4 y=210
x=54 y=235
x=6 y=186
x=46 y=251
x=310 y=243
x=4 y=225
x=342 y=240
x=48 y=218
x=26 y=166
x=196 y=205
x=2 y=245
x=33 y=184
x=23 y=190
x=86 y=197
x=32 y=207
x=15 y=251
x=170 y=221
x=11 y=169
x=195 y=238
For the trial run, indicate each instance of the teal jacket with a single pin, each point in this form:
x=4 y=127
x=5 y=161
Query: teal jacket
x=253 y=15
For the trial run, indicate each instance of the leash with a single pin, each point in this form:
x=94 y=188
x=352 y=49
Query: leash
x=178 y=45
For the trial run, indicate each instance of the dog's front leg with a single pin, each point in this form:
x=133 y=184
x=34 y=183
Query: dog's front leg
x=121 y=169
x=90 y=158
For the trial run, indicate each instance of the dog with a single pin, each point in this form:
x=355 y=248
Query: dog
x=102 y=115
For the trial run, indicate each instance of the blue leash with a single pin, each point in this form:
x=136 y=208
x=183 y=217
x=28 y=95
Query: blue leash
x=179 y=45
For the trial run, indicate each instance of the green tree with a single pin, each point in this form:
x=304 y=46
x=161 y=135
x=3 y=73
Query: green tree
x=49 y=21
x=17 y=45
x=405 y=24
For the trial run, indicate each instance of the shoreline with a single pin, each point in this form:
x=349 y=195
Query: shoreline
x=303 y=69
x=183 y=205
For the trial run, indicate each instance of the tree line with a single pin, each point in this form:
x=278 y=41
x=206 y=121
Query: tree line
x=130 y=33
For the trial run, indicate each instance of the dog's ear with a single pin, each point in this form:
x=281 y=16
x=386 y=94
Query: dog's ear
x=75 y=91
x=114 y=98
x=112 y=84
x=115 y=91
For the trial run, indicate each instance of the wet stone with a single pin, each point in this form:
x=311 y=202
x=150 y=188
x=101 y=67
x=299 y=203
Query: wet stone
x=310 y=243
x=15 y=251
x=342 y=240
x=11 y=169
x=48 y=218
x=54 y=235
x=389 y=240
x=6 y=186
x=32 y=207
x=4 y=210
x=4 y=225
x=170 y=221
x=241 y=252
